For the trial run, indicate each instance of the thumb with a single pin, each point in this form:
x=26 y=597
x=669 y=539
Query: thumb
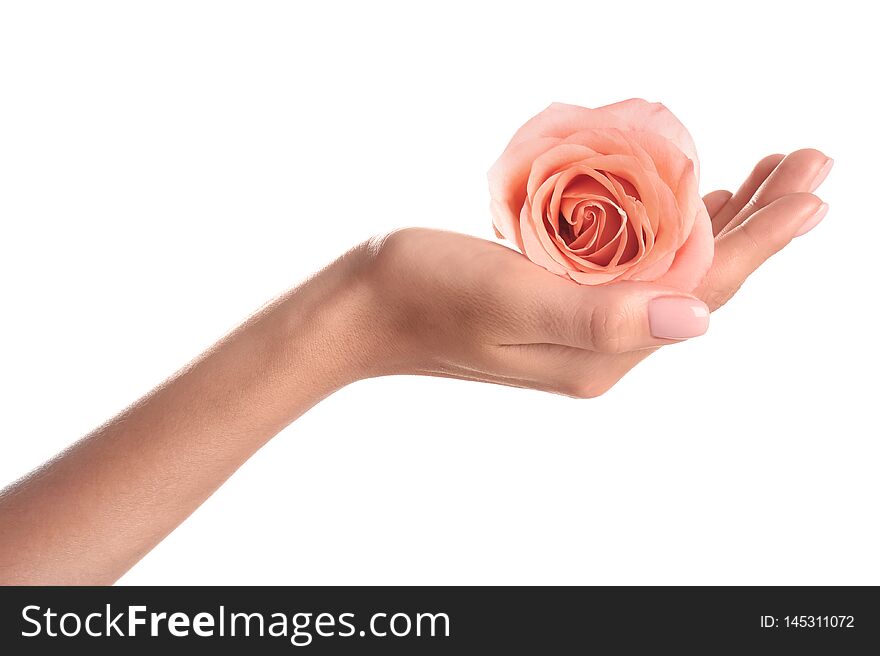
x=628 y=316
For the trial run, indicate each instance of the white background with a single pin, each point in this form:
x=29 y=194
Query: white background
x=166 y=167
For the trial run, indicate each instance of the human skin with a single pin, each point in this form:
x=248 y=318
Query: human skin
x=413 y=302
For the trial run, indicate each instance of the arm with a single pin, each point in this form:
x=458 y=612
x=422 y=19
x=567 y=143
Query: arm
x=91 y=513
x=414 y=302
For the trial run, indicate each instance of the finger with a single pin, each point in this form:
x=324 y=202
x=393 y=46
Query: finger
x=744 y=194
x=615 y=318
x=715 y=200
x=742 y=250
x=802 y=171
x=738 y=254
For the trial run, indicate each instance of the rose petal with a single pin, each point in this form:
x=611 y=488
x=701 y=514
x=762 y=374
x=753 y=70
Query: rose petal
x=642 y=116
x=604 y=194
x=559 y=120
x=533 y=247
x=693 y=259
x=507 y=182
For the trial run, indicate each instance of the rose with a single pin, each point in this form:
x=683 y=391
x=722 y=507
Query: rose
x=607 y=194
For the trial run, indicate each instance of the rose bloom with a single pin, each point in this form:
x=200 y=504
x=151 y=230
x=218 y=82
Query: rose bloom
x=607 y=194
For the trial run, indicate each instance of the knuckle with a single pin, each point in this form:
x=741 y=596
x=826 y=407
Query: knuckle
x=753 y=242
x=609 y=327
x=715 y=297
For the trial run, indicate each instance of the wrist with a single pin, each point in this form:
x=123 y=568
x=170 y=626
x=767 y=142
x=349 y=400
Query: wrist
x=331 y=327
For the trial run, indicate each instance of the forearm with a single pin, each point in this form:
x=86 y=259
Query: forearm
x=91 y=513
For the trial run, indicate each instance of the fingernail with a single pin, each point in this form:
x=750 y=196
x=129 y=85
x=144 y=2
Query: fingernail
x=822 y=174
x=676 y=317
x=813 y=221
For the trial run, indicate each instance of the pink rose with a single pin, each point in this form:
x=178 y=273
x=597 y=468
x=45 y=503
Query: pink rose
x=606 y=194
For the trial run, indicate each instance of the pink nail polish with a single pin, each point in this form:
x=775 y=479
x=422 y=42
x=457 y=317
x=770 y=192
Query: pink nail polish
x=813 y=221
x=675 y=317
x=822 y=174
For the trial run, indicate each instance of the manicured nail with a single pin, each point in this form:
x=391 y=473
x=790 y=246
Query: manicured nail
x=813 y=221
x=675 y=317
x=821 y=175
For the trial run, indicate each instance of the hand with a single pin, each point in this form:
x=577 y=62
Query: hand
x=417 y=302
x=774 y=205
x=451 y=305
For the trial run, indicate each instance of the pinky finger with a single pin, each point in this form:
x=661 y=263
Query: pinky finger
x=715 y=200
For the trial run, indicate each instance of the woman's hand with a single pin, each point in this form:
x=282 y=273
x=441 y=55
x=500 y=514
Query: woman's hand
x=414 y=302
x=451 y=305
